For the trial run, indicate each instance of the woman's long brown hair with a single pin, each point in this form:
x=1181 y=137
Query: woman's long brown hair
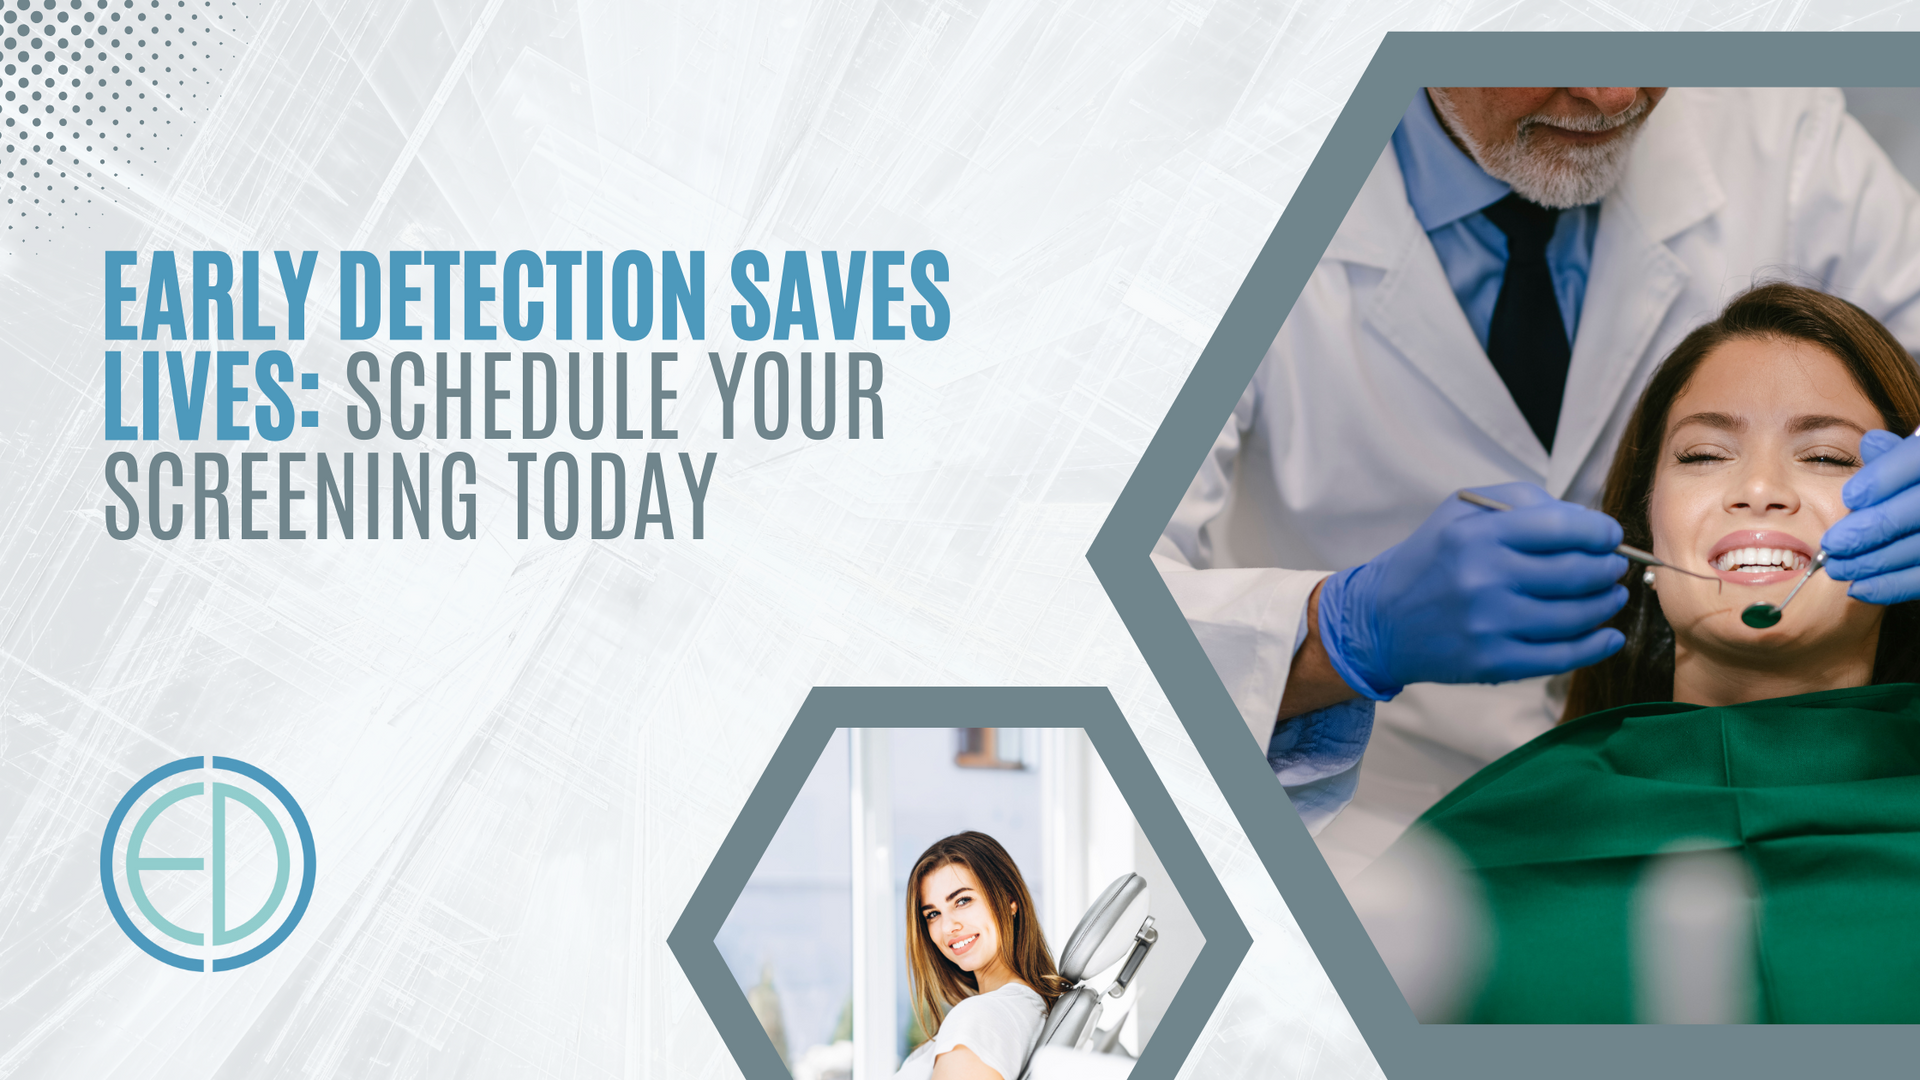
x=938 y=983
x=1881 y=368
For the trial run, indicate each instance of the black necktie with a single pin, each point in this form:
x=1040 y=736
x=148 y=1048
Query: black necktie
x=1528 y=341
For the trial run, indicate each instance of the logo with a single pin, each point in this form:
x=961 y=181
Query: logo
x=209 y=847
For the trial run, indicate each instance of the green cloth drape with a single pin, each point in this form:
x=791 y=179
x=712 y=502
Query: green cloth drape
x=1820 y=793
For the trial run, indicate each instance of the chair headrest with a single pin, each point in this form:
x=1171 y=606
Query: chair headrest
x=1106 y=931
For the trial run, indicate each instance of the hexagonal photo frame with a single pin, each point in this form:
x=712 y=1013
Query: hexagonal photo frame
x=830 y=708
x=1405 y=62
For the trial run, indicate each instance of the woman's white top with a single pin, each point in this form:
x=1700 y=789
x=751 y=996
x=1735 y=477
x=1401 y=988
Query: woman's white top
x=1001 y=1027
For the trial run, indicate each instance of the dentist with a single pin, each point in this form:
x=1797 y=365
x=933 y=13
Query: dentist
x=1509 y=275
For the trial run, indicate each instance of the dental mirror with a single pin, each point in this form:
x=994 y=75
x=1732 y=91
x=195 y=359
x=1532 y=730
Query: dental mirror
x=1762 y=615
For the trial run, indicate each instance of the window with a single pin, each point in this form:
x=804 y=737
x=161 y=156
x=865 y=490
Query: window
x=991 y=748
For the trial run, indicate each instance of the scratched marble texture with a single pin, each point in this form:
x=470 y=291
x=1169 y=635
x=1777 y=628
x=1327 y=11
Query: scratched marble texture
x=520 y=755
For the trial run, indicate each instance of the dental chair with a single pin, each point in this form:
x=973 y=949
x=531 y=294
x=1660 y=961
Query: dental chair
x=1115 y=931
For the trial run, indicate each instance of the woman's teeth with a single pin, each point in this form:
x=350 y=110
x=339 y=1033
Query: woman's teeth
x=963 y=944
x=1760 y=560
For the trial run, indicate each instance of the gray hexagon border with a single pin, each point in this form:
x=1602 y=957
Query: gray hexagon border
x=830 y=708
x=1405 y=1049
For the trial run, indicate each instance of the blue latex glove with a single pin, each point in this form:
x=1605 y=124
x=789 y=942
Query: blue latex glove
x=1477 y=595
x=1877 y=545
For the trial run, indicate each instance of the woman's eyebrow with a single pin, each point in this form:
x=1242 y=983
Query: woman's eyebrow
x=1803 y=424
x=1723 y=421
x=950 y=896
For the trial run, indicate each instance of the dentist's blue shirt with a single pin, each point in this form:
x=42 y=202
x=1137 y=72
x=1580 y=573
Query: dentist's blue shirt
x=1448 y=190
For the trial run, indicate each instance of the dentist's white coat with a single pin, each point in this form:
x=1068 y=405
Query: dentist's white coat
x=1376 y=402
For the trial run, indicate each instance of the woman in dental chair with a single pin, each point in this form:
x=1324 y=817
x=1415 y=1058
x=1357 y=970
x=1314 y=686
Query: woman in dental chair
x=981 y=973
x=1795 y=747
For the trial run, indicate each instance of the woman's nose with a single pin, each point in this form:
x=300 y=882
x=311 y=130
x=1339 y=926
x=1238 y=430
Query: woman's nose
x=1763 y=487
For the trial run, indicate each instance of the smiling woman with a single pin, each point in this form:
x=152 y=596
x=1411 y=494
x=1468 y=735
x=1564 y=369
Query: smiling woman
x=1734 y=461
x=1792 y=749
x=983 y=978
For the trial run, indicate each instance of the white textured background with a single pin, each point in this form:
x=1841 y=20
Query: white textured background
x=519 y=756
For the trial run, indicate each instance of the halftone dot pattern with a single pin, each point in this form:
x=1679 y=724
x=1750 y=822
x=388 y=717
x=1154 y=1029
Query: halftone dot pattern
x=99 y=96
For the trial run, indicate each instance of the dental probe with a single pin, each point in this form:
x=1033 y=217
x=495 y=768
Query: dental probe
x=1763 y=615
x=1631 y=552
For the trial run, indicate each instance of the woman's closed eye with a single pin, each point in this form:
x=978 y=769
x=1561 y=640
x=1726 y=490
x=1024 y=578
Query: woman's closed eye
x=1830 y=457
x=1700 y=455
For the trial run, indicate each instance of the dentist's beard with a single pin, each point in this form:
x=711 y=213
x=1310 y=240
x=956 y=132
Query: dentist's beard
x=1554 y=176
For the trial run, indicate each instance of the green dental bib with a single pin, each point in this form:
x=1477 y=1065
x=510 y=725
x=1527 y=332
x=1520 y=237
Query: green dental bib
x=1820 y=793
